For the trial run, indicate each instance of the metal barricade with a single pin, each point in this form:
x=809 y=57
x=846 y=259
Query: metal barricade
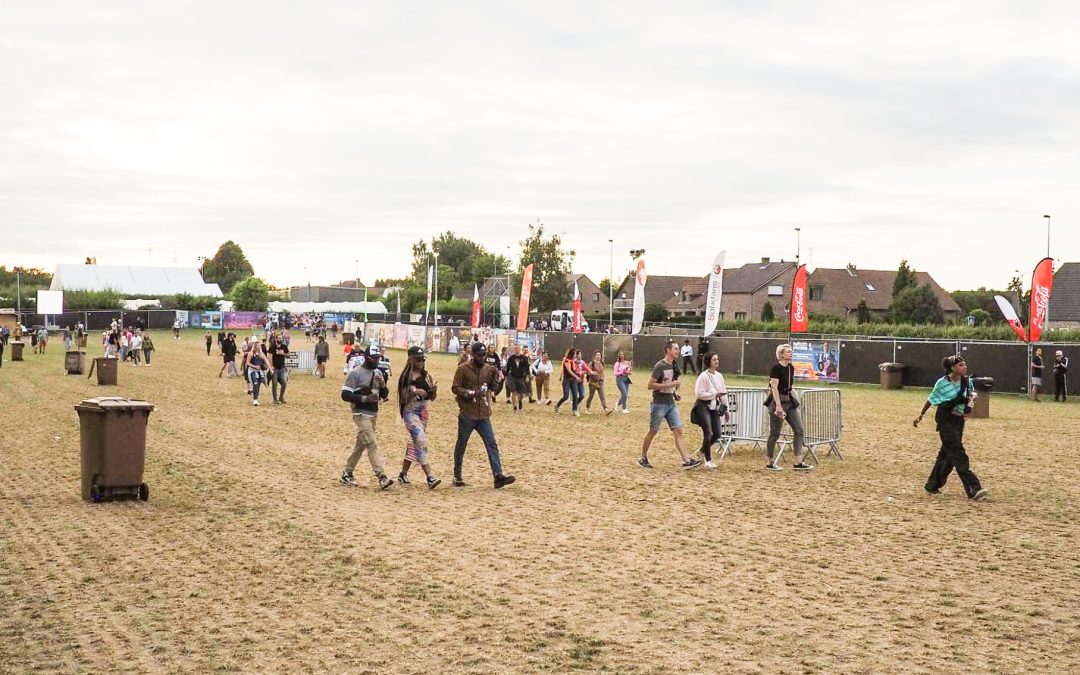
x=820 y=410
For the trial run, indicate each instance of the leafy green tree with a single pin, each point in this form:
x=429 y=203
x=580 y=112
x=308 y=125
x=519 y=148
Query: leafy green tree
x=654 y=311
x=551 y=263
x=250 y=295
x=862 y=312
x=228 y=266
x=905 y=278
x=81 y=300
x=767 y=313
x=917 y=305
x=981 y=316
x=455 y=252
x=189 y=302
x=605 y=286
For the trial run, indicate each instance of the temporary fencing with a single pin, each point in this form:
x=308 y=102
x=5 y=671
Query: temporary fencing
x=820 y=409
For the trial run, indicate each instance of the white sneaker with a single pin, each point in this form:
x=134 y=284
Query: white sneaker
x=255 y=402
x=577 y=413
x=626 y=411
x=710 y=465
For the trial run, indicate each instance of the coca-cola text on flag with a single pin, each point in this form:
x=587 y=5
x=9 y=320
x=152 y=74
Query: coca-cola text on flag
x=1042 y=281
x=799 y=312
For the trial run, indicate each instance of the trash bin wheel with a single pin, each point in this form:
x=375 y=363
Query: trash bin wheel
x=144 y=492
x=95 y=493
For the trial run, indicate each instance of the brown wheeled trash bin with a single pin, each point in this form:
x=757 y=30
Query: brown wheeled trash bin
x=892 y=375
x=981 y=408
x=73 y=362
x=347 y=338
x=113 y=447
x=106 y=370
x=82 y=342
x=16 y=351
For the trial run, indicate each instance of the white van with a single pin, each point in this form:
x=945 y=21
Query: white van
x=562 y=319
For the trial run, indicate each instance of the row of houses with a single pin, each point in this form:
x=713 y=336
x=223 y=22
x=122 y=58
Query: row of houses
x=746 y=289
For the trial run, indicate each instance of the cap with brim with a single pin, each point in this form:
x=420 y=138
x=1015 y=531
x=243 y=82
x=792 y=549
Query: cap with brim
x=373 y=350
x=416 y=352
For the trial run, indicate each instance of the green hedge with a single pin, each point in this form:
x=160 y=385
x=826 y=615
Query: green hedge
x=900 y=330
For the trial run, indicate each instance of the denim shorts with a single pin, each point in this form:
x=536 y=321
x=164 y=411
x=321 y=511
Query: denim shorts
x=658 y=412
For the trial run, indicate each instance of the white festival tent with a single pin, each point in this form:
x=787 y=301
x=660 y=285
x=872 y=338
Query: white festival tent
x=127 y=280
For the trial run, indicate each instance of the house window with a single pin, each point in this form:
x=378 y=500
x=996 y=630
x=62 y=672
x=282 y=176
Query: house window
x=721 y=316
x=683 y=296
x=624 y=295
x=596 y=297
x=817 y=293
x=776 y=290
x=870 y=287
x=740 y=316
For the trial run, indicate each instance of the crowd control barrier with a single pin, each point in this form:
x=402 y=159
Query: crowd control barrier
x=820 y=409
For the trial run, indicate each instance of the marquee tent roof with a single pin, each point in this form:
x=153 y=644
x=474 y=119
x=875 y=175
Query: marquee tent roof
x=133 y=280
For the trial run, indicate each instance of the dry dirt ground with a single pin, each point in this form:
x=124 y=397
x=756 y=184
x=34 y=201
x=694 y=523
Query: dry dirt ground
x=250 y=557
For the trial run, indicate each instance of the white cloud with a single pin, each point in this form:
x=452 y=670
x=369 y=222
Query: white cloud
x=314 y=136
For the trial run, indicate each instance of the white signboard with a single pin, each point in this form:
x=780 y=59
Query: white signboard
x=50 y=302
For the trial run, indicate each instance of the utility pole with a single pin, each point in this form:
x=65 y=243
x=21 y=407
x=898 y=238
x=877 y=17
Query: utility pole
x=436 y=324
x=798 y=245
x=610 y=284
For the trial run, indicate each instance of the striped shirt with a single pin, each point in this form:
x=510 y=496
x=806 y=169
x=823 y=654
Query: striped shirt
x=945 y=390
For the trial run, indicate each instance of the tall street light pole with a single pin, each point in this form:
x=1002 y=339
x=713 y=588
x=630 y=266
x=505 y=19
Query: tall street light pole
x=1046 y=317
x=1047 y=235
x=798 y=245
x=610 y=284
x=436 y=324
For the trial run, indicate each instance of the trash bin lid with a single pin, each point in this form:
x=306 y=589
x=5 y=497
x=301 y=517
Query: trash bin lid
x=103 y=404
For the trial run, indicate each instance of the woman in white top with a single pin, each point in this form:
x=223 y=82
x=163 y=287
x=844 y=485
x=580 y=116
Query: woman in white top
x=711 y=403
x=542 y=370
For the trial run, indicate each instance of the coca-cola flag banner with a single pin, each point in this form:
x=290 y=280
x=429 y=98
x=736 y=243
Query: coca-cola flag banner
x=799 y=312
x=475 y=307
x=523 y=303
x=1041 y=283
x=1009 y=312
x=577 y=308
x=716 y=288
x=639 y=297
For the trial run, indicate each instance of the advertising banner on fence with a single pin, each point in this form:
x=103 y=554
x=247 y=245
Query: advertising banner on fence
x=416 y=336
x=816 y=360
x=207 y=320
x=400 y=338
x=456 y=339
x=534 y=340
x=245 y=319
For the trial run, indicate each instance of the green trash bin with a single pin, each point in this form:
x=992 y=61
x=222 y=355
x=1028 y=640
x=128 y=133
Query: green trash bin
x=113 y=447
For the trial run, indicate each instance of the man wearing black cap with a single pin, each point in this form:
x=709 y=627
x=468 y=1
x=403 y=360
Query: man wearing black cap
x=1061 y=368
x=364 y=388
x=475 y=383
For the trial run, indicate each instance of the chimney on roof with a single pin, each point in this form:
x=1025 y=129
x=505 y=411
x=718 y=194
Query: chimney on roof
x=764 y=261
x=851 y=270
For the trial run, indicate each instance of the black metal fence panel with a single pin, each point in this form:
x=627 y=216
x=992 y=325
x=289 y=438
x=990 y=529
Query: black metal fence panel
x=730 y=352
x=859 y=360
x=922 y=361
x=759 y=355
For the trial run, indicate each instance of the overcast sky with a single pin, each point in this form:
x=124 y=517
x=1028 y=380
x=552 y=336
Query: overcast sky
x=318 y=134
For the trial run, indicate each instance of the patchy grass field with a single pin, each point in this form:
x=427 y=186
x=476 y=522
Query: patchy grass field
x=250 y=557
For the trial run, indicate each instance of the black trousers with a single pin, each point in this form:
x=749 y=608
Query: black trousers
x=1059 y=386
x=688 y=364
x=709 y=421
x=952 y=455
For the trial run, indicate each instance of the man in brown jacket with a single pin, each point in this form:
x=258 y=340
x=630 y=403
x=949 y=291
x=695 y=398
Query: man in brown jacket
x=475 y=384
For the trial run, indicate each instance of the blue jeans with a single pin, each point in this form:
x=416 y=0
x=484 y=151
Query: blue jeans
x=578 y=388
x=659 y=412
x=465 y=427
x=623 y=383
x=280 y=376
